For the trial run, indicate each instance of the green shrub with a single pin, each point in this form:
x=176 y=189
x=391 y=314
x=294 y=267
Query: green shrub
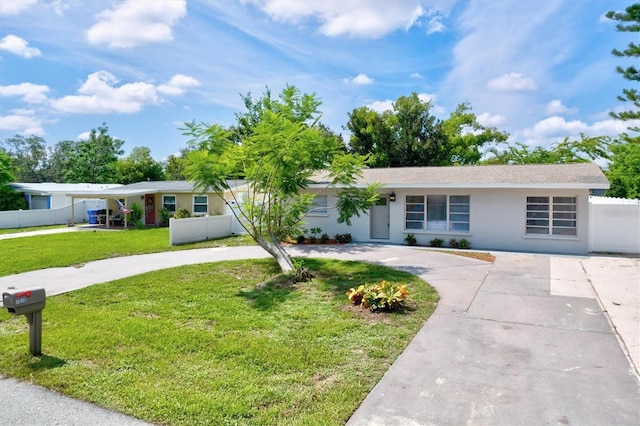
x=453 y=243
x=324 y=238
x=343 y=238
x=182 y=214
x=464 y=244
x=411 y=240
x=300 y=239
x=136 y=215
x=436 y=242
x=383 y=296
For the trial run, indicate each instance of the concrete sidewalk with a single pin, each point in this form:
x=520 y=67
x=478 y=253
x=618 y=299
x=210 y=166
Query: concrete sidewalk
x=522 y=341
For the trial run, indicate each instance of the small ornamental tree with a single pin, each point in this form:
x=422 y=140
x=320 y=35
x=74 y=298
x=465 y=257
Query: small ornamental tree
x=276 y=148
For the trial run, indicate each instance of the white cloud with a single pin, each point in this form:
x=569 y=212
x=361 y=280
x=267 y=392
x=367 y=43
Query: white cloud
x=100 y=95
x=29 y=92
x=416 y=75
x=556 y=107
x=387 y=105
x=137 y=22
x=360 y=79
x=18 y=46
x=84 y=136
x=381 y=106
x=15 y=7
x=487 y=119
x=178 y=84
x=435 y=25
x=512 y=82
x=22 y=121
x=360 y=18
x=555 y=128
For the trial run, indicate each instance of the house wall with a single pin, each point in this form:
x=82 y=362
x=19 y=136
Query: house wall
x=185 y=201
x=614 y=225
x=497 y=221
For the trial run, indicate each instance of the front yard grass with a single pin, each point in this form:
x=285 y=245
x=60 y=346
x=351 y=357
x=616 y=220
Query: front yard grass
x=76 y=248
x=206 y=344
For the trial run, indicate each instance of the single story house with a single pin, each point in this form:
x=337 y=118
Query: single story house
x=534 y=208
x=157 y=195
x=49 y=195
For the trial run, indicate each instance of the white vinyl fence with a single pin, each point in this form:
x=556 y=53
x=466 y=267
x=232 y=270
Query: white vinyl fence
x=614 y=225
x=43 y=217
x=189 y=230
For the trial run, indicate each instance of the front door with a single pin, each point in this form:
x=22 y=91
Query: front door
x=149 y=209
x=379 y=217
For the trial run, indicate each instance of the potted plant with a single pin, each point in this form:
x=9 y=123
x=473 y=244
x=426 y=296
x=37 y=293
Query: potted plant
x=165 y=215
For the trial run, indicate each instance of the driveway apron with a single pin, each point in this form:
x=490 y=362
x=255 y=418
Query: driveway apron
x=516 y=354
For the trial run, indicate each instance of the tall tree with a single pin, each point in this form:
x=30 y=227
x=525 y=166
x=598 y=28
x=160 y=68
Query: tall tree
x=138 y=166
x=94 y=160
x=629 y=21
x=371 y=135
x=30 y=158
x=277 y=146
x=174 y=167
x=624 y=170
x=466 y=137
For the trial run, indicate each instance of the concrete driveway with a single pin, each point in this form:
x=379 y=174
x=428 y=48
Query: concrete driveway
x=527 y=340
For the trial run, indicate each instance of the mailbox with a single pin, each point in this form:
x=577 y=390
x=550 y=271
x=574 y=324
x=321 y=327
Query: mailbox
x=30 y=303
x=24 y=301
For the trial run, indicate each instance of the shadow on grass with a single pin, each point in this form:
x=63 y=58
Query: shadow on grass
x=268 y=295
x=46 y=362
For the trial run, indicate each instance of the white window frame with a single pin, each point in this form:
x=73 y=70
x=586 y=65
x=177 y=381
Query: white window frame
x=551 y=216
x=174 y=204
x=319 y=206
x=418 y=213
x=194 y=204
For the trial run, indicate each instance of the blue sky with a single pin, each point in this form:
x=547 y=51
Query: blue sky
x=540 y=70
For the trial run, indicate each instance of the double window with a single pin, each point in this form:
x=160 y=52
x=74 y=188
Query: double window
x=200 y=204
x=552 y=216
x=169 y=203
x=437 y=212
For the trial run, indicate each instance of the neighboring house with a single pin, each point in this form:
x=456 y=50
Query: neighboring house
x=534 y=208
x=50 y=195
x=158 y=195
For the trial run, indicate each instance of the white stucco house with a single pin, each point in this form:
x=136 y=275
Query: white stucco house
x=533 y=208
x=49 y=195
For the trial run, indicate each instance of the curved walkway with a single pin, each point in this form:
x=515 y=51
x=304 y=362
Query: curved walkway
x=526 y=340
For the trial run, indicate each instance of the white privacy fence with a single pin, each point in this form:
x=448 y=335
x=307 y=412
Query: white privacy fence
x=614 y=225
x=43 y=217
x=189 y=230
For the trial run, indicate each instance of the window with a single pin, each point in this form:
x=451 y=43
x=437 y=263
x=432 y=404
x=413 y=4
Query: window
x=319 y=206
x=552 y=216
x=200 y=204
x=440 y=213
x=169 y=203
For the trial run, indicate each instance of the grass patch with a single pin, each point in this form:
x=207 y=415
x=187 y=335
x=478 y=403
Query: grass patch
x=206 y=344
x=74 y=248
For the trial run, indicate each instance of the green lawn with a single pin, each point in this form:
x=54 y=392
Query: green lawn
x=73 y=248
x=203 y=345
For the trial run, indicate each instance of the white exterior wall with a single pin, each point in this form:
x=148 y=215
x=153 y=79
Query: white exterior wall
x=614 y=227
x=497 y=221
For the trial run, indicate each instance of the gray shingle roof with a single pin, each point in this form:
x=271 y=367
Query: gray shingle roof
x=579 y=175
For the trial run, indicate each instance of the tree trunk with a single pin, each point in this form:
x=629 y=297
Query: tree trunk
x=278 y=252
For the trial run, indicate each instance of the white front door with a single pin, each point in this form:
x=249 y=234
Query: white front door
x=379 y=219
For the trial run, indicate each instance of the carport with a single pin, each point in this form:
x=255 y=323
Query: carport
x=106 y=194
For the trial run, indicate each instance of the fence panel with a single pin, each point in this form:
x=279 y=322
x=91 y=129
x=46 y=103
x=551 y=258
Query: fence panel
x=190 y=230
x=614 y=226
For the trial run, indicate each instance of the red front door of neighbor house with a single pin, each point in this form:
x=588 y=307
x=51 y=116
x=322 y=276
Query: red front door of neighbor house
x=149 y=209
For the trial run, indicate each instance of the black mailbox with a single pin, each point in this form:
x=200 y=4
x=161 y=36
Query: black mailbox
x=24 y=301
x=30 y=303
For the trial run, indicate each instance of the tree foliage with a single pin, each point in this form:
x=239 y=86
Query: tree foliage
x=410 y=135
x=94 y=160
x=9 y=198
x=30 y=158
x=138 y=166
x=277 y=145
x=568 y=151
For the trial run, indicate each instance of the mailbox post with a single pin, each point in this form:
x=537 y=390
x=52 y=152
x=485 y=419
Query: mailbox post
x=28 y=302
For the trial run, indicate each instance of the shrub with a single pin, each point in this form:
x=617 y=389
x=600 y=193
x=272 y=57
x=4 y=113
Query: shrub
x=464 y=244
x=411 y=240
x=383 y=296
x=324 y=238
x=436 y=242
x=300 y=239
x=453 y=243
x=182 y=214
x=342 y=238
x=136 y=215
